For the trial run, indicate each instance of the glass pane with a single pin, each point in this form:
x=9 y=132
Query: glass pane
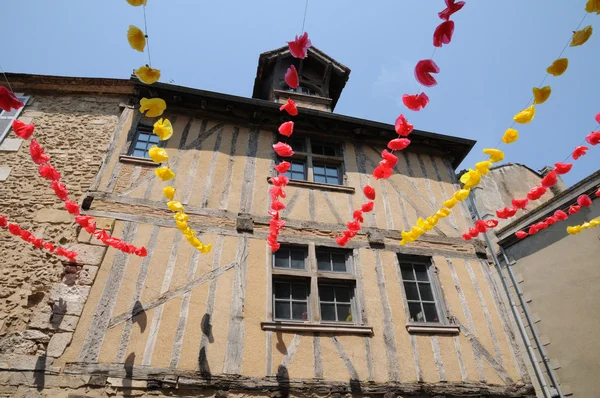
x=326 y=293
x=154 y=139
x=319 y=178
x=323 y=263
x=143 y=137
x=426 y=293
x=333 y=180
x=282 y=310
x=295 y=175
x=328 y=312
x=282 y=290
x=299 y=311
x=139 y=153
x=411 y=291
x=299 y=291
x=298 y=259
x=10 y=114
x=415 y=312
x=140 y=145
x=430 y=313
x=332 y=172
x=319 y=170
x=421 y=271
x=407 y=272
x=339 y=262
x=282 y=259
x=4 y=123
x=343 y=312
x=297 y=167
x=329 y=151
x=342 y=294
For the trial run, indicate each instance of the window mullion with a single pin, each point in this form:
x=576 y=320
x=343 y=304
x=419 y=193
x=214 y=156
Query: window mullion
x=309 y=163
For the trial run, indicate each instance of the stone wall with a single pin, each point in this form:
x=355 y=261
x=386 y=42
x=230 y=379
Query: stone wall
x=75 y=130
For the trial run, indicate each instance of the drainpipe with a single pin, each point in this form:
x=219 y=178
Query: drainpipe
x=540 y=346
x=513 y=306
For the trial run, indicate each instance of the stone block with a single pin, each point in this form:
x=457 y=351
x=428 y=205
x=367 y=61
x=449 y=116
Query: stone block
x=88 y=254
x=87 y=275
x=126 y=383
x=554 y=364
x=68 y=300
x=4 y=173
x=58 y=343
x=244 y=223
x=63 y=322
x=53 y=216
x=40 y=318
x=375 y=238
x=35 y=335
x=17 y=345
x=11 y=145
x=24 y=362
x=84 y=236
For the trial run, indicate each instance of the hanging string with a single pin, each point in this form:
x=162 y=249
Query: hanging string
x=147 y=39
x=6 y=78
x=304 y=19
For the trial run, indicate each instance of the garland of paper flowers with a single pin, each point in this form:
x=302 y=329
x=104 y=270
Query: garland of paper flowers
x=154 y=107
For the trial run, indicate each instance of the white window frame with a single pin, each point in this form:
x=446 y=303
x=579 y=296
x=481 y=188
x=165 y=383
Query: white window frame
x=24 y=99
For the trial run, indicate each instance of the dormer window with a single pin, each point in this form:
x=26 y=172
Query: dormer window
x=302 y=90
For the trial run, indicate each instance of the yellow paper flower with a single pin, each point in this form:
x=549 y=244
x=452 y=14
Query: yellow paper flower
x=137 y=3
x=470 y=179
x=483 y=167
x=205 y=248
x=450 y=203
x=574 y=230
x=164 y=173
x=169 y=192
x=558 y=67
x=417 y=231
x=154 y=106
x=158 y=155
x=136 y=38
x=581 y=36
x=182 y=225
x=510 y=136
x=593 y=6
x=424 y=224
x=496 y=155
x=163 y=129
x=525 y=116
x=408 y=236
x=586 y=225
x=462 y=194
x=147 y=74
x=595 y=222
x=175 y=205
x=181 y=217
x=433 y=220
x=441 y=213
x=541 y=95
x=402 y=242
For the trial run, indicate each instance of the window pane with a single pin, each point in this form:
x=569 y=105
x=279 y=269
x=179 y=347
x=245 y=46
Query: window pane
x=319 y=178
x=282 y=290
x=319 y=170
x=323 y=263
x=139 y=153
x=299 y=291
x=342 y=294
x=326 y=293
x=295 y=175
x=426 y=293
x=298 y=259
x=282 y=259
x=299 y=311
x=344 y=311
x=407 y=272
x=4 y=123
x=332 y=172
x=296 y=166
x=339 y=262
x=328 y=312
x=411 y=291
x=415 y=312
x=282 y=310
x=154 y=139
x=421 y=271
x=430 y=313
x=140 y=145
x=333 y=180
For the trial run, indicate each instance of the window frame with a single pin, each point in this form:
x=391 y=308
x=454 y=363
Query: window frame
x=24 y=99
x=352 y=302
x=142 y=128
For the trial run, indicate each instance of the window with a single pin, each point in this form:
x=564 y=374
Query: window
x=420 y=292
x=303 y=90
x=144 y=140
x=328 y=271
x=6 y=118
x=315 y=161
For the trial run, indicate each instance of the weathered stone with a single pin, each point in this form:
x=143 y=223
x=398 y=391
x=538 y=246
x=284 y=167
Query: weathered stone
x=35 y=335
x=244 y=223
x=69 y=279
x=17 y=345
x=68 y=300
x=375 y=238
x=63 y=322
x=53 y=216
x=88 y=254
x=58 y=343
x=11 y=145
x=24 y=362
x=87 y=275
x=126 y=383
x=4 y=173
x=41 y=318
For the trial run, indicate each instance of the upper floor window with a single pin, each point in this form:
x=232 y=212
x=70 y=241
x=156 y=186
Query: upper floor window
x=144 y=140
x=6 y=118
x=303 y=90
x=422 y=291
x=315 y=161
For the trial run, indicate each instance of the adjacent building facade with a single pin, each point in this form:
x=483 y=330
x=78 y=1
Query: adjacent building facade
x=373 y=318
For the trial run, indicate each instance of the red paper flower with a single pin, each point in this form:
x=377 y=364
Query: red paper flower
x=584 y=201
x=503 y=214
x=598 y=117
x=480 y=226
x=277 y=205
x=415 y=102
x=277 y=192
x=289 y=107
x=283 y=167
x=491 y=223
x=574 y=209
x=560 y=215
x=423 y=71
x=402 y=126
x=536 y=193
x=542 y=225
x=349 y=234
x=49 y=172
x=598 y=192
x=283 y=149
x=49 y=246
x=562 y=168
x=300 y=46
x=90 y=228
x=511 y=211
x=593 y=138
x=353 y=226
x=60 y=190
x=466 y=236
x=473 y=232
x=533 y=229
x=358 y=216
x=382 y=172
x=142 y=252
x=443 y=33
x=83 y=221
x=286 y=128
x=22 y=130
x=369 y=192
x=342 y=240
x=398 y=144
x=367 y=207
x=72 y=207
x=389 y=159
x=291 y=77
x=579 y=152
x=14 y=229
x=451 y=8
x=38 y=243
x=551 y=220
x=37 y=153
x=8 y=100
x=3 y=221
x=520 y=203
x=521 y=234
x=280 y=181
x=27 y=236
x=549 y=180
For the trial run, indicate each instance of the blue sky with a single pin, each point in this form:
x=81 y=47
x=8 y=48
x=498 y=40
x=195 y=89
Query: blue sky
x=500 y=50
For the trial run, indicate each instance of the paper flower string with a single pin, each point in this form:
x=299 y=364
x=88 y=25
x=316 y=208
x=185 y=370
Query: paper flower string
x=586 y=225
x=480 y=227
x=27 y=236
x=299 y=46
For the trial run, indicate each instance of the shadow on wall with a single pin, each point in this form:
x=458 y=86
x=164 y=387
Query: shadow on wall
x=138 y=315
x=283 y=381
x=203 y=365
x=127 y=381
x=39 y=376
x=280 y=343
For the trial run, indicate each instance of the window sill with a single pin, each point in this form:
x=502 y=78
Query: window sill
x=317 y=328
x=319 y=185
x=432 y=329
x=136 y=160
